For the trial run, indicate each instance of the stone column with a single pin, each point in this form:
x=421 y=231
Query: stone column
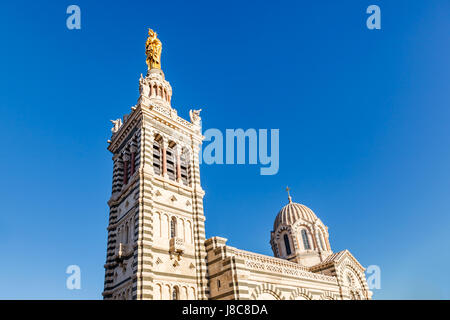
x=179 y=150
x=198 y=221
x=133 y=156
x=152 y=89
x=147 y=154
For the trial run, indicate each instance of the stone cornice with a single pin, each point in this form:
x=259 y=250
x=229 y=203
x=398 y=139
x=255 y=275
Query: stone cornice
x=175 y=122
x=158 y=113
x=122 y=133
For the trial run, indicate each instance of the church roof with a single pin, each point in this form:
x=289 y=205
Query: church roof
x=335 y=258
x=292 y=212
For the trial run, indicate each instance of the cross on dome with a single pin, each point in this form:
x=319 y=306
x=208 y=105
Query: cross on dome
x=289 y=195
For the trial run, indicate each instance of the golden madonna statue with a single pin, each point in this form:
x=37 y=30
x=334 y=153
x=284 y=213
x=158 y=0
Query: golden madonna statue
x=153 y=48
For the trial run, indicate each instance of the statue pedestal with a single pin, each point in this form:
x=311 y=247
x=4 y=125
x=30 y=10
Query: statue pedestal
x=156 y=71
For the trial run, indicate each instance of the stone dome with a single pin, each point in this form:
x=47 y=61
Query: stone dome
x=292 y=212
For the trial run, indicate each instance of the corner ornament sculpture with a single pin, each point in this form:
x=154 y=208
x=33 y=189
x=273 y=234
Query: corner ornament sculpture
x=153 y=48
x=195 y=116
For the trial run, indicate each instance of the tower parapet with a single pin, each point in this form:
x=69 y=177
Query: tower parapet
x=155 y=89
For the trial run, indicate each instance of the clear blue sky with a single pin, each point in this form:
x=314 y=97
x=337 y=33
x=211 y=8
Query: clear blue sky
x=363 y=118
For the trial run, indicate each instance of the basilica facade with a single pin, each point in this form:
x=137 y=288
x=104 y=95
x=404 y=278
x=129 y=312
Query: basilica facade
x=156 y=247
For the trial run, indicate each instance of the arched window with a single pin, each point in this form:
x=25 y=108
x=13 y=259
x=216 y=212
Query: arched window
x=286 y=244
x=127 y=233
x=175 y=294
x=306 y=244
x=349 y=280
x=133 y=157
x=129 y=167
x=173 y=227
x=125 y=166
x=157 y=166
x=170 y=163
x=185 y=169
x=319 y=235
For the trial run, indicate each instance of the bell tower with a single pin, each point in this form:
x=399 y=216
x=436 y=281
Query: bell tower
x=156 y=230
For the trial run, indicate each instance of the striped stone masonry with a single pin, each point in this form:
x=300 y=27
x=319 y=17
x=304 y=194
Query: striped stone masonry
x=156 y=246
x=147 y=206
x=240 y=275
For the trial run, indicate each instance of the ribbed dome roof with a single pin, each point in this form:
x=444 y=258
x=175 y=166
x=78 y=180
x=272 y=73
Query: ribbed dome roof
x=293 y=212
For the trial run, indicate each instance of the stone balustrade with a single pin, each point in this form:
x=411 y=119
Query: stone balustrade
x=261 y=262
x=176 y=245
